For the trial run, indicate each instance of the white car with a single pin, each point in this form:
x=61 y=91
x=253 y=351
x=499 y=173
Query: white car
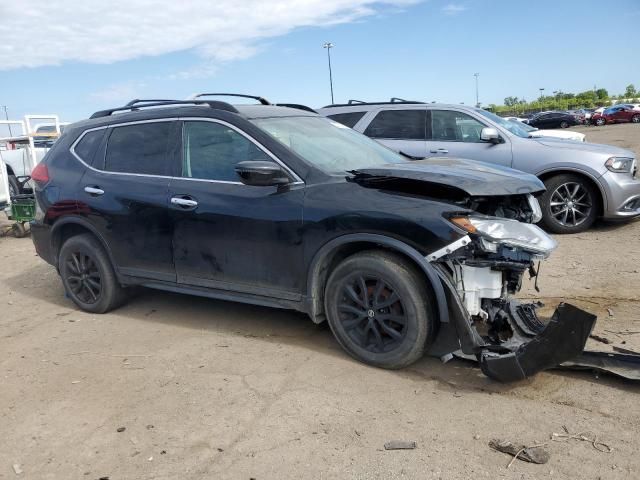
x=561 y=134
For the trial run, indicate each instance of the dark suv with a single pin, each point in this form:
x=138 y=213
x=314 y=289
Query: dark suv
x=278 y=206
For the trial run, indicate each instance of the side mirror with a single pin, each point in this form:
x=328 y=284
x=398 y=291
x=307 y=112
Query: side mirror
x=490 y=135
x=259 y=173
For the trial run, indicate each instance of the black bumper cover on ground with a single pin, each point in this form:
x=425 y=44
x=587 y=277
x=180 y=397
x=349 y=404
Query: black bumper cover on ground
x=563 y=339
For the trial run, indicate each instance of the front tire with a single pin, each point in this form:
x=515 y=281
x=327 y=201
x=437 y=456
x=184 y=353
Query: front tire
x=569 y=205
x=88 y=276
x=600 y=121
x=635 y=119
x=380 y=309
x=564 y=124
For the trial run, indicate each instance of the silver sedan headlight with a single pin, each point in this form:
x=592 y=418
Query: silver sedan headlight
x=619 y=164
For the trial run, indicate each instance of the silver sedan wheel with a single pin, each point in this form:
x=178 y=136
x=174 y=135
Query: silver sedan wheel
x=570 y=204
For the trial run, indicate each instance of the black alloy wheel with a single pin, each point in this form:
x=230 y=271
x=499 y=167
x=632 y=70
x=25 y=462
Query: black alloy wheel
x=88 y=276
x=83 y=276
x=380 y=309
x=372 y=314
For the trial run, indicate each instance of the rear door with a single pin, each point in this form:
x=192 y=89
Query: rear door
x=124 y=195
x=228 y=235
x=457 y=134
x=401 y=130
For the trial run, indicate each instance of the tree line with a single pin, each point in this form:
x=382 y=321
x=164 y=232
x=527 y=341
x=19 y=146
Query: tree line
x=566 y=101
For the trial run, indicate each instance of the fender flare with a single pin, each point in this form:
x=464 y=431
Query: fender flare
x=83 y=222
x=325 y=251
x=560 y=170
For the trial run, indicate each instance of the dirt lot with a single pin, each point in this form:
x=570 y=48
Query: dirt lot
x=210 y=389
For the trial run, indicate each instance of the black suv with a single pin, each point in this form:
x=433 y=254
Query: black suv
x=281 y=207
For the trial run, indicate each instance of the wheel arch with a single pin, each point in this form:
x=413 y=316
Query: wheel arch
x=334 y=251
x=68 y=227
x=602 y=198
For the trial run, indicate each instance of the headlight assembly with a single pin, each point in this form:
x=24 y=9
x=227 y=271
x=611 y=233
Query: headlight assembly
x=507 y=232
x=619 y=164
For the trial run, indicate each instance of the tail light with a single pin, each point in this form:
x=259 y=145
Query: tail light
x=40 y=174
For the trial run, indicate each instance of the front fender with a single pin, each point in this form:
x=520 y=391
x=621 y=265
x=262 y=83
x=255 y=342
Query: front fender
x=325 y=253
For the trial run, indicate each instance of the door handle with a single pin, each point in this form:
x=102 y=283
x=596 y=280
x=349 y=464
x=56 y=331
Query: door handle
x=184 y=202
x=440 y=150
x=95 y=191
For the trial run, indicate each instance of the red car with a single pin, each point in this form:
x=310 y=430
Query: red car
x=618 y=114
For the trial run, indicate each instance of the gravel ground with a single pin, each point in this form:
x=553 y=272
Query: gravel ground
x=211 y=389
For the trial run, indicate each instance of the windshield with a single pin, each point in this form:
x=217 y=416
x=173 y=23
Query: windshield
x=328 y=145
x=513 y=127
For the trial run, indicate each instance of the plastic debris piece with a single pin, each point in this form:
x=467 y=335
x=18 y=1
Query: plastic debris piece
x=399 y=445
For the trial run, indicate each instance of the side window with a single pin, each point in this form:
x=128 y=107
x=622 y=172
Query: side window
x=212 y=150
x=88 y=145
x=399 y=125
x=140 y=148
x=348 y=119
x=452 y=126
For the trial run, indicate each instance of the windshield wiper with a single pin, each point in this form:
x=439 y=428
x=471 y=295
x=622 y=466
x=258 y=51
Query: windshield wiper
x=410 y=157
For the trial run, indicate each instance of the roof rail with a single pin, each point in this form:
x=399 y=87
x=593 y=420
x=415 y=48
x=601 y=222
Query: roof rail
x=145 y=100
x=133 y=105
x=394 y=100
x=296 y=105
x=262 y=100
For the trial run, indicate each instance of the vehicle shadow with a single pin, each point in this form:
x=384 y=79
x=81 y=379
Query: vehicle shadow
x=231 y=319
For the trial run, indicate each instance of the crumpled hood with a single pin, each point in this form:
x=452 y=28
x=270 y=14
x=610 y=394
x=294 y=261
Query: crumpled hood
x=475 y=178
x=585 y=147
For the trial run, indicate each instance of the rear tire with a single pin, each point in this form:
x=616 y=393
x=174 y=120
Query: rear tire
x=573 y=195
x=635 y=119
x=564 y=124
x=380 y=309
x=600 y=122
x=88 y=276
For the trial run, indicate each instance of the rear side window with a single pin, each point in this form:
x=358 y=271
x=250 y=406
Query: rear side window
x=399 y=124
x=211 y=151
x=348 y=119
x=88 y=145
x=140 y=149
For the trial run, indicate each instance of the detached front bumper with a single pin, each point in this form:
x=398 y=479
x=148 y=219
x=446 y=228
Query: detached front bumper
x=533 y=347
x=563 y=339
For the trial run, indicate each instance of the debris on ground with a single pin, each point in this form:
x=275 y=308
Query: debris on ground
x=531 y=454
x=17 y=469
x=121 y=429
x=600 y=339
x=399 y=445
x=610 y=312
x=590 y=437
x=625 y=350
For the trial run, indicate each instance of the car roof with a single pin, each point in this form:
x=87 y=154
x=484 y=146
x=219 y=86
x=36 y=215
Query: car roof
x=366 y=107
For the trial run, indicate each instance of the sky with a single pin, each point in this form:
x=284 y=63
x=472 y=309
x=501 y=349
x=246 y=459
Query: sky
x=73 y=57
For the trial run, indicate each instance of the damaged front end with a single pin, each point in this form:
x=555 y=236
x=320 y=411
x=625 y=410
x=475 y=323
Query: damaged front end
x=481 y=272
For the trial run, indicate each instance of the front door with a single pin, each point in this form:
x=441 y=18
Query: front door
x=457 y=134
x=228 y=235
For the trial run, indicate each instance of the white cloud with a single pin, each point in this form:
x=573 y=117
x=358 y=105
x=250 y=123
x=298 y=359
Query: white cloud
x=453 y=9
x=99 y=31
x=119 y=92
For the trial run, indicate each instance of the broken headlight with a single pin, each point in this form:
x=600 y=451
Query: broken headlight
x=507 y=232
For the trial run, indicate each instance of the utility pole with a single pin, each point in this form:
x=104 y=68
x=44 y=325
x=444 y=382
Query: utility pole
x=6 y=117
x=329 y=46
x=477 y=96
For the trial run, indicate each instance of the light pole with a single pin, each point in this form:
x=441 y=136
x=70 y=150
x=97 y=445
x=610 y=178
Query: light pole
x=6 y=117
x=329 y=46
x=541 y=90
x=477 y=96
